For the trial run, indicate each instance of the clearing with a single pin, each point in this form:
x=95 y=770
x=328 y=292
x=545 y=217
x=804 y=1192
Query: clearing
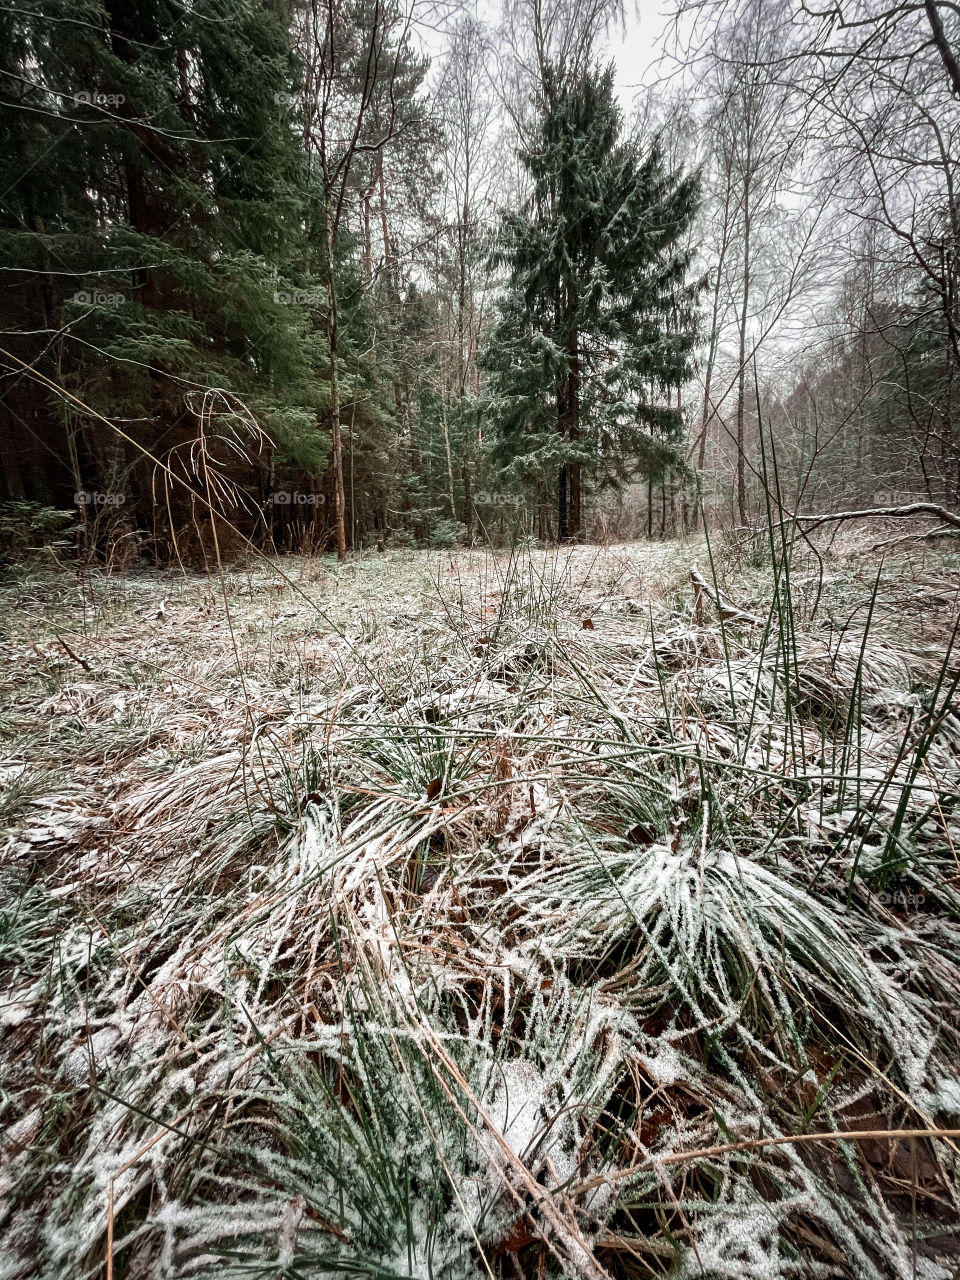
x=453 y=914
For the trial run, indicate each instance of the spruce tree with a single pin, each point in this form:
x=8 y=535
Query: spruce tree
x=597 y=321
x=148 y=159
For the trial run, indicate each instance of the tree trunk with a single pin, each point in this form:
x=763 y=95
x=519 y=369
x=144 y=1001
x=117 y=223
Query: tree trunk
x=573 y=434
x=562 y=489
x=742 y=374
x=353 y=507
x=446 y=444
x=333 y=331
x=569 y=509
x=467 y=501
x=707 y=417
x=367 y=241
x=392 y=296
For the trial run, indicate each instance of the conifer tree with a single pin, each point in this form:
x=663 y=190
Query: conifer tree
x=150 y=219
x=597 y=322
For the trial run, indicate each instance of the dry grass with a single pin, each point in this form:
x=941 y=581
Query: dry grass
x=413 y=917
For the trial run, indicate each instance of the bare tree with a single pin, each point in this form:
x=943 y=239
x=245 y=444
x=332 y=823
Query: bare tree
x=766 y=209
x=755 y=138
x=879 y=84
x=351 y=53
x=471 y=188
x=536 y=35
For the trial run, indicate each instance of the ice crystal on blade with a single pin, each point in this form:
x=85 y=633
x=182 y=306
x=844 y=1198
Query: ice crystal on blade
x=570 y=953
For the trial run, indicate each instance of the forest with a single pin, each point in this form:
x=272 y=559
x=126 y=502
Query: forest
x=362 y=276
x=479 y=639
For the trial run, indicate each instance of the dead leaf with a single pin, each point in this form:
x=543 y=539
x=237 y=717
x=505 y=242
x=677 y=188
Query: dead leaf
x=433 y=788
x=325 y=1224
x=588 y=624
x=641 y=835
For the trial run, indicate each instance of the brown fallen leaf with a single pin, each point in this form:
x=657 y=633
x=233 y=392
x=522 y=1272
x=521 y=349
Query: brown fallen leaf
x=641 y=835
x=588 y=624
x=433 y=788
x=325 y=1224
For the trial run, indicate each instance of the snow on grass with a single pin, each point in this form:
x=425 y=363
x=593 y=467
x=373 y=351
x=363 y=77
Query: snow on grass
x=404 y=919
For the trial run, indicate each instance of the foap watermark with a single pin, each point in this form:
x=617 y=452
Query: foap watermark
x=297 y=297
x=285 y=99
x=89 y=498
x=486 y=499
x=94 y=298
x=899 y=898
x=84 y=98
x=296 y=498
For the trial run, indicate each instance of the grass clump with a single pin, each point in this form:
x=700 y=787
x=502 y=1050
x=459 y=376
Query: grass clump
x=463 y=914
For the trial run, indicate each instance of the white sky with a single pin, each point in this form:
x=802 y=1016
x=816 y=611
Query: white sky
x=636 y=49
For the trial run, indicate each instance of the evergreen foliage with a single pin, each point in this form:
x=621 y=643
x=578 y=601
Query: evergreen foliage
x=151 y=237
x=597 y=324
x=222 y=292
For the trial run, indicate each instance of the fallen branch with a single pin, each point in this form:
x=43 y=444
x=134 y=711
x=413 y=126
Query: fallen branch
x=69 y=652
x=930 y=536
x=728 y=612
x=755 y=1144
x=895 y=513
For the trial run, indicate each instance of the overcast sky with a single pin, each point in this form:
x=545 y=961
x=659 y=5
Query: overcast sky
x=636 y=49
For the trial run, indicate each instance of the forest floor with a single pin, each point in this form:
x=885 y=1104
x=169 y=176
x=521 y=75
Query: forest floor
x=469 y=914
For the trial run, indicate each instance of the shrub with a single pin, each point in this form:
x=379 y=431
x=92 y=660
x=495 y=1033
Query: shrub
x=29 y=530
x=447 y=534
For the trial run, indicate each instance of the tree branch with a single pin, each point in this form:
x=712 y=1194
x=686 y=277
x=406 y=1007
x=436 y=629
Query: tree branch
x=897 y=513
x=947 y=55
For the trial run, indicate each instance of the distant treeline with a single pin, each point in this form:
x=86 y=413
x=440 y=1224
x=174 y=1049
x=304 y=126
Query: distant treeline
x=263 y=258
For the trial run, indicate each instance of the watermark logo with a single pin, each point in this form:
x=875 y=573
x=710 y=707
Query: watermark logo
x=92 y=298
x=297 y=297
x=902 y=899
x=87 y=99
x=294 y=498
x=86 y=498
x=284 y=99
x=486 y=499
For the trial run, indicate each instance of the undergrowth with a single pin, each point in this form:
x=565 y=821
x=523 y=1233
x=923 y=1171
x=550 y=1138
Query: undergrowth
x=483 y=915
